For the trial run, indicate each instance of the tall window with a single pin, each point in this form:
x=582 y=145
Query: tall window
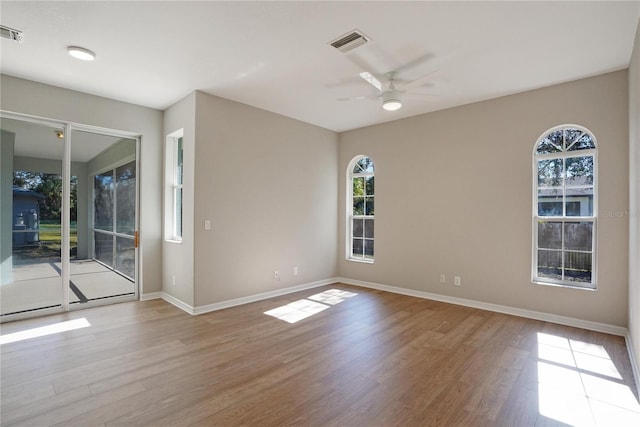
x=174 y=179
x=565 y=206
x=360 y=208
x=177 y=190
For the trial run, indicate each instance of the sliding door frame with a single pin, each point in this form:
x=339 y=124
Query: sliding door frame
x=69 y=127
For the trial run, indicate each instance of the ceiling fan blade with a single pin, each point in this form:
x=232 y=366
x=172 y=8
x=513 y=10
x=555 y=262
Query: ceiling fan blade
x=424 y=95
x=422 y=80
x=372 y=80
x=354 y=98
x=415 y=62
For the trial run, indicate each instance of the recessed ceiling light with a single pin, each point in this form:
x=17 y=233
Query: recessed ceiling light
x=59 y=134
x=81 y=53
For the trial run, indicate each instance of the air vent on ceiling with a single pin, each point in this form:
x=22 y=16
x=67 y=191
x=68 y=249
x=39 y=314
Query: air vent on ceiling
x=349 y=41
x=11 y=34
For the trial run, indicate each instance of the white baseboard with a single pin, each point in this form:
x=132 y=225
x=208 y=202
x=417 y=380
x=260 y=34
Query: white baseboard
x=240 y=301
x=150 y=296
x=178 y=303
x=261 y=296
x=530 y=314
x=634 y=361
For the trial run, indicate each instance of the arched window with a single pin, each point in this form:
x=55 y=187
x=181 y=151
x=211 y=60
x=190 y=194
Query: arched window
x=565 y=207
x=360 y=209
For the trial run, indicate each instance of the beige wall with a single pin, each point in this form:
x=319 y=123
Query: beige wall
x=268 y=184
x=634 y=199
x=177 y=258
x=453 y=196
x=27 y=97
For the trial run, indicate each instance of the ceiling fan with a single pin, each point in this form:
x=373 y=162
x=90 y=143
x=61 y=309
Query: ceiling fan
x=391 y=93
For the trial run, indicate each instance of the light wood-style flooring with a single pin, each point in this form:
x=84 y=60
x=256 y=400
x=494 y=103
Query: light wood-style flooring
x=369 y=359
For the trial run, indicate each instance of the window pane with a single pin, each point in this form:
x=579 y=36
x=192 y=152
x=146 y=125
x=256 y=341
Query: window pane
x=585 y=142
x=103 y=248
x=579 y=202
x=178 y=212
x=364 y=165
x=551 y=143
x=549 y=235
x=570 y=136
x=358 y=187
x=550 y=202
x=125 y=257
x=550 y=264
x=357 y=247
x=179 y=157
x=579 y=171
x=369 y=206
x=578 y=236
x=370 y=183
x=368 y=248
x=550 y=173
x=577 y=266
x=126 y=198
x=103 y=201
x=358 y=227
x=368 y=228
x=358 y=205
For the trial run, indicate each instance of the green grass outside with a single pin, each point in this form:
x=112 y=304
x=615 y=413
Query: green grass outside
x=51 y=233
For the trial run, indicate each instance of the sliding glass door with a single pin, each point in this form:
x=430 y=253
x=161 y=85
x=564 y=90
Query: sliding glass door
x=31 y=217
x=68 y=217
x=105 y=264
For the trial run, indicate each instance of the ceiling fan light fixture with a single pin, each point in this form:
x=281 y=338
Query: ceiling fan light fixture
x=392 y=105
x=81 y=53
x=391 y=101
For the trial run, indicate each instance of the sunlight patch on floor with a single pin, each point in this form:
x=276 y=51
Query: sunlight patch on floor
x=579 y=385
x=42 y=331
x=301 y=309
x=332 y=296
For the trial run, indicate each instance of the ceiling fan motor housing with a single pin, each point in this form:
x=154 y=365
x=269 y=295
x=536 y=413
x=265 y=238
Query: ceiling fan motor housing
x=390 y=95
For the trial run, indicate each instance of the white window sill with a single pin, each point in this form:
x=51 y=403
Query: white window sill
x=362 y=261
x=173 y=241
x=563 y=285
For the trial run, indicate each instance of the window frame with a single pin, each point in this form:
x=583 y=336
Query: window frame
x=564 y=218
x=174 y=180
x=349 y=210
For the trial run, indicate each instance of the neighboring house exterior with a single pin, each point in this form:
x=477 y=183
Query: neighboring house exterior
x=26 y=216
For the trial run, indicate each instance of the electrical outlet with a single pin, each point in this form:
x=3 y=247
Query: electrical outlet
x=295 y=271
x=276 y=275
x=174 y=280
x=443 y=279
x=207 y=224
x=456 y=281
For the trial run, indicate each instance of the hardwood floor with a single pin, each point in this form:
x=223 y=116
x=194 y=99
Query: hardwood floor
x=371 y=359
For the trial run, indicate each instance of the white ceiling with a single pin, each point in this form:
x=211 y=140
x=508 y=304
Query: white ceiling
x=275 y=56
